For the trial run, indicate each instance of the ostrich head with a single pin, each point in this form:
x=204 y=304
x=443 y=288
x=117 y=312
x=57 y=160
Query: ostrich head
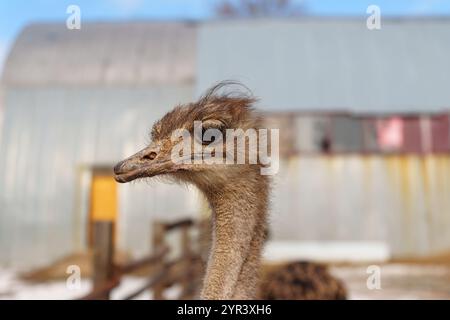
x=214 y=144
x=190 y=143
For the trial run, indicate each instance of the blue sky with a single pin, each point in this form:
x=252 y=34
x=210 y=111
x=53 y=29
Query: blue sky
x=14 y=15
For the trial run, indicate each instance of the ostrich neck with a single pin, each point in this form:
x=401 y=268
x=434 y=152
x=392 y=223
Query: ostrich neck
x=239 y=224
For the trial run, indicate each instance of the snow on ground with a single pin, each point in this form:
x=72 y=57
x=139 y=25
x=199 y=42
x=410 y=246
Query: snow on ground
x=326 y=251
x=11 y=287
x=397 y=281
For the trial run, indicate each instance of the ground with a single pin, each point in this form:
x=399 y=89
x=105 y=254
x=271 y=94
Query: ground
x=11 y=287
x=398 y=281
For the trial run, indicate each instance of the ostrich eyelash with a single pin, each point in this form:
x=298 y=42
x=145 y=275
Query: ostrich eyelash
x=213 y=124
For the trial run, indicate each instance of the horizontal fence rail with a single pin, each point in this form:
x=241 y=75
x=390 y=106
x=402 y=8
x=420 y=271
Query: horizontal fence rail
x=185 y=270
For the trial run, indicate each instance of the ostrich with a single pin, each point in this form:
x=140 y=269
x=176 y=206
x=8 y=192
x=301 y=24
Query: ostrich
x=237 y=193
x=302 y=280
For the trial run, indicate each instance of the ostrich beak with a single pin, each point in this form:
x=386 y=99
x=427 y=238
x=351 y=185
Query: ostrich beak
x=146 y=163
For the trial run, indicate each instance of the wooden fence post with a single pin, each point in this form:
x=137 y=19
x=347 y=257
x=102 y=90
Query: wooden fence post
x=103 y=255
x=158 y=242
x=186 y=253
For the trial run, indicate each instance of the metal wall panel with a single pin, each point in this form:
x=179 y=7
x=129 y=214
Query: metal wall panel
x=310 y=132
x=412 y=135
x=401 y=200
x=53 y=135
x=49 y=137
x=440 y=133
x=346 y=134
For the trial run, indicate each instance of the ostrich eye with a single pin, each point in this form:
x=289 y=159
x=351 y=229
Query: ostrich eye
x=215 y=137
x=204 y=142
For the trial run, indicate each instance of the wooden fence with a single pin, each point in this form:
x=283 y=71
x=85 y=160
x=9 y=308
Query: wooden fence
x=185 y=270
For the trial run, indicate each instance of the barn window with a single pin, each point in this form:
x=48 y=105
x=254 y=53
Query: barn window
x=346 y=134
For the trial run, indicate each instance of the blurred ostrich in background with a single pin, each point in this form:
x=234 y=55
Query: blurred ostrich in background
x=301 y=280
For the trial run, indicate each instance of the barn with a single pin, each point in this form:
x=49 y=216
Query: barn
x=363 y=118
x=75 y=104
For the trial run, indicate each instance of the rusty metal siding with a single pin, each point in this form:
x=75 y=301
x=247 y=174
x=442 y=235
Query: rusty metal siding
x=398 y=199
x=358 y=192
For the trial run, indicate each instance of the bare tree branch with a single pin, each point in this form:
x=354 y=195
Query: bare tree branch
x=259 y=8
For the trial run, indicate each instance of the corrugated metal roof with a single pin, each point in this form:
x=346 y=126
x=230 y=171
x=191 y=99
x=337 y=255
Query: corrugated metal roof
x=330 y=64
x=135 y=53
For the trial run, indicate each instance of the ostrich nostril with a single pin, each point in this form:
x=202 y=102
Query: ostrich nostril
x=150 y=156
x=118 y=167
